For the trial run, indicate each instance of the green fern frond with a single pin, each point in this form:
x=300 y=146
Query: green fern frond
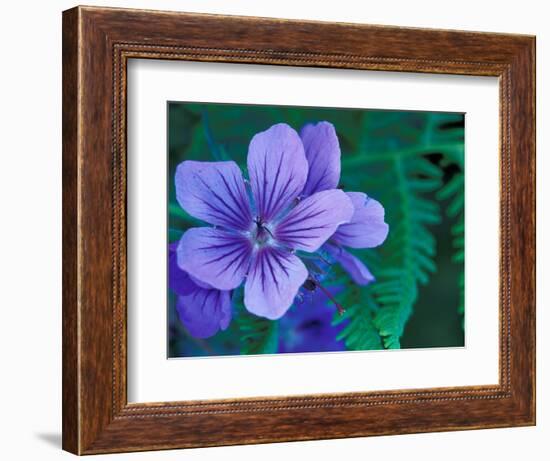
x=458 y=257
x=406 y=182
x=360 y=333
x=454 y=192
x=257 y=334
x=408 y=254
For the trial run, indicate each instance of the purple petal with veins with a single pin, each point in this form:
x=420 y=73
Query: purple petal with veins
x=367 y=228
x=308 y=225
x=273 y=281
x=214 y=192
x=351 y=264
x=204 y=312
x=278 y=169
x=177 y=279
x=214 y=256
x=323 y=156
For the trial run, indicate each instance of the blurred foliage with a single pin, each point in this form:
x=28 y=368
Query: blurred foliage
x=258 y=335
x=412 y=162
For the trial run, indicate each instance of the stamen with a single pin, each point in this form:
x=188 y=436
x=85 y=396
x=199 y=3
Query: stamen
x=268 y=231
x=327 y=293
x=325 y=260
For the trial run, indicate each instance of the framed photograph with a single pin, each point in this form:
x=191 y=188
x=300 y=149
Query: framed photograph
x=280 y=230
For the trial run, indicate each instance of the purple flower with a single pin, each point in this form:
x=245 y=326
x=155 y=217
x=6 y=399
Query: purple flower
x=307 y=327
x=367 y=228
x=203 y=310
x=255 y=235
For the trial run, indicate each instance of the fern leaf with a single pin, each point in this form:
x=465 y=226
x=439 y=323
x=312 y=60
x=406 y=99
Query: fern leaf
x=408 y=254
x=257 y=334
x=360 y=333
x=454 y=192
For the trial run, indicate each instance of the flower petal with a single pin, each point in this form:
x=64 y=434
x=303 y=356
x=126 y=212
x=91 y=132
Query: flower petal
x=314 y=220
x=359 y=273
x=323 y=156
x=178 y=280
x=278 y=169
x=214 y=192
x=213 y=256
x=273 y=281
x=202 y=311
x=367 y=228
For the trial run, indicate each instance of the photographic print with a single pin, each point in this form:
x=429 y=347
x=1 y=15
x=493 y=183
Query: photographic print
x=310 y=229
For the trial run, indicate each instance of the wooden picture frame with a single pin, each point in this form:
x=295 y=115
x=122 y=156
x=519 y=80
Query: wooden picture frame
x=97 y=43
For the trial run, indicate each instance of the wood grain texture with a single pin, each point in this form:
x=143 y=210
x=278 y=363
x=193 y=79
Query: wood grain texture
x=97 y=43
x=70 y=384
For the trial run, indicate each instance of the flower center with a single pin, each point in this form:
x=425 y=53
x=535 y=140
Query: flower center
x=262 y=234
